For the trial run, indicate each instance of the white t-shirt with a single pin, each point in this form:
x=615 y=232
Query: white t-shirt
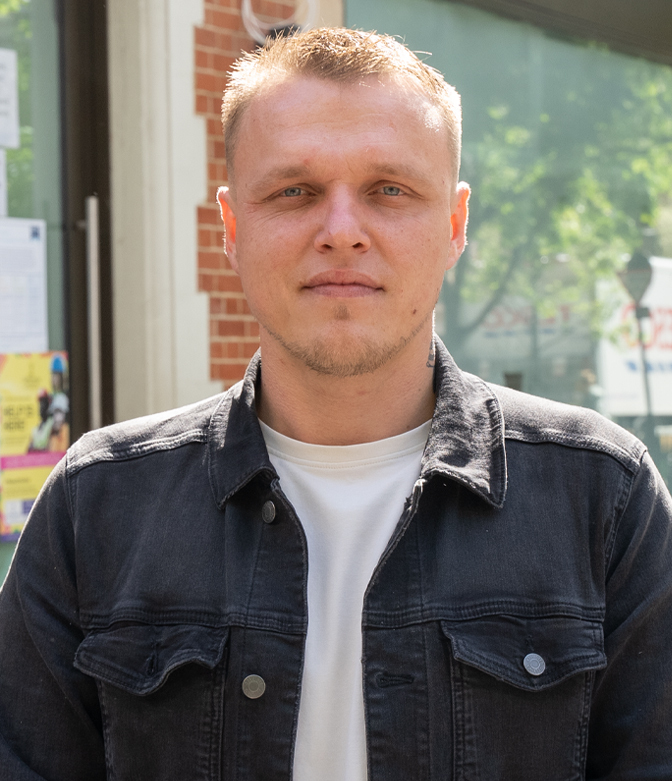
x=349 y=500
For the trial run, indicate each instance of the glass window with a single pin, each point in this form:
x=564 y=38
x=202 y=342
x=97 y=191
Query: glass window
x=31 y=176
x=33 y=170
x=568 y=149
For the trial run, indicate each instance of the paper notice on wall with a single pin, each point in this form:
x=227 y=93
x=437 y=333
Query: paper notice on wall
x=34 y=431
x=3 y=183
x=23 y=285
x=9 y=100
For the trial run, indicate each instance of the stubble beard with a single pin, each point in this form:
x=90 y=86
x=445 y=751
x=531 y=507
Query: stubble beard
x=350 y=358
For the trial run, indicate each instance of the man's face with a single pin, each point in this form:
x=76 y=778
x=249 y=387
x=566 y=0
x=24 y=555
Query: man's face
x=342 y=220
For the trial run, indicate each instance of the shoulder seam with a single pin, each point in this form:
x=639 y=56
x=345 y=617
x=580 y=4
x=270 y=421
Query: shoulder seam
x=137 y=450
x=555 y=436
x=619 y=509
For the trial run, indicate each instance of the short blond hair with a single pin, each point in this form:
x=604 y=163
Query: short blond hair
x=339 y=55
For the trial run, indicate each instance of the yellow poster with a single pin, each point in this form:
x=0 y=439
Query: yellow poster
x=34 y=430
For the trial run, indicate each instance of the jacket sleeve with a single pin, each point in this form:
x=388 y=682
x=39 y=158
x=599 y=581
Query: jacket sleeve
x=49 y=712
x=631 y=718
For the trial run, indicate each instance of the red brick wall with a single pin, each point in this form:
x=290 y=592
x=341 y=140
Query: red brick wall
x=234 y=333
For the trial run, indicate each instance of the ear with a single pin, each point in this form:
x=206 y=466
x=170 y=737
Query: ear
x=225 y=201
x=458 y=223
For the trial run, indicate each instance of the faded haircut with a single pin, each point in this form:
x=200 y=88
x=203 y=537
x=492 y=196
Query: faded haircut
x=343 y=56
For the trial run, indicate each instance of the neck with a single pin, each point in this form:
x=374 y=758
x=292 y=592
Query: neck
x=322 y=409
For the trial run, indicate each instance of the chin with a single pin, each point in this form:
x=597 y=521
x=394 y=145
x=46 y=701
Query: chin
x=345 y=356
x=344 y=347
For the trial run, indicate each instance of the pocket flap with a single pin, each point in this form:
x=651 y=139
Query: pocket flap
x=531 y=654
x=139 y=657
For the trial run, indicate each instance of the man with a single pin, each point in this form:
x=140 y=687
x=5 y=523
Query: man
x=359 y=562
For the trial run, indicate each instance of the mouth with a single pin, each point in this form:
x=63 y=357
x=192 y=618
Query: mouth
x=342 y=283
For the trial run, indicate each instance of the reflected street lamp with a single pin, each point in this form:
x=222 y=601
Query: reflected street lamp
x=637 y=277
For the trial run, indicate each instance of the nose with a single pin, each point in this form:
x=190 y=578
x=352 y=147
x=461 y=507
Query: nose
x=342 y=226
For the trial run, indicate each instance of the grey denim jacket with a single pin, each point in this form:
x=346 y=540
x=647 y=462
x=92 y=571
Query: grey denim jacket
x=517 y=628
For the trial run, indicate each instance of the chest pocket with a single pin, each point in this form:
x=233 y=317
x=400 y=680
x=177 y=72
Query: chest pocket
x=521 y=695
x=161 y=691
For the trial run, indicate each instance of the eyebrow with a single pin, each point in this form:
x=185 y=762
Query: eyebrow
x=278 y=173
x=398 y=169
x=401 y=171
x=373 y=169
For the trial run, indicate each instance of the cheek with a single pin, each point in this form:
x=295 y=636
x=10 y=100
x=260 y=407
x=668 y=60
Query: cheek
x=266 y=276
x=258 y=255
x=428 y=240
x=271 y=252
x=424 y=286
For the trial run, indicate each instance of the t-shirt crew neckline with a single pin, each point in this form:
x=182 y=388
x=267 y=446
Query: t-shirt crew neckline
x=335 y=456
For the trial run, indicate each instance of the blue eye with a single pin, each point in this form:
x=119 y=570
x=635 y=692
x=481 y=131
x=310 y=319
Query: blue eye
x=292 y=192
x=390 y=189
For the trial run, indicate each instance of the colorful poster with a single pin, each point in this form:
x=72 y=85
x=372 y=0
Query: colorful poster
x=34 y=430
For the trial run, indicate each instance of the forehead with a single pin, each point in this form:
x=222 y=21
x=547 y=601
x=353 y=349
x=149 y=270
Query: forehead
x=379 y=111
x=307 y=84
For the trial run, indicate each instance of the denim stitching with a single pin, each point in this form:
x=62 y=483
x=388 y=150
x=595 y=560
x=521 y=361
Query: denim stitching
x=111 y=774
x=428 y=728
x=103 y=455
x=240 y=728
x=586 y=442
x=490 y=665
x=120 y=676
x=581 y=756
x=620 y=506
x=379 y=619
x=271 y=623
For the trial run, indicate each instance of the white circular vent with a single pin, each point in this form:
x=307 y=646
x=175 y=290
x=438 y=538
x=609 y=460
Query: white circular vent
x=308 y=10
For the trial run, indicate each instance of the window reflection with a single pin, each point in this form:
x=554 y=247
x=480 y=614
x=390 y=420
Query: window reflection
x=568 y=148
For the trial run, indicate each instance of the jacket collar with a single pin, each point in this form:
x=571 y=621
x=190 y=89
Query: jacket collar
x=466 y=438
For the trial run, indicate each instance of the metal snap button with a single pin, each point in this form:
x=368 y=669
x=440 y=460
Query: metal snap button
x=268 y=512
x=534 y=664
x=254 y=686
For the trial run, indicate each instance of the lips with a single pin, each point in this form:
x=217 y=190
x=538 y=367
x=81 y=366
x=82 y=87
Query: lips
x=342 y=282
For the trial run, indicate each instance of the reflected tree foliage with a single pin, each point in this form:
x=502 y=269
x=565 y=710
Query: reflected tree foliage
x=16 y=33
x=562 y=195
